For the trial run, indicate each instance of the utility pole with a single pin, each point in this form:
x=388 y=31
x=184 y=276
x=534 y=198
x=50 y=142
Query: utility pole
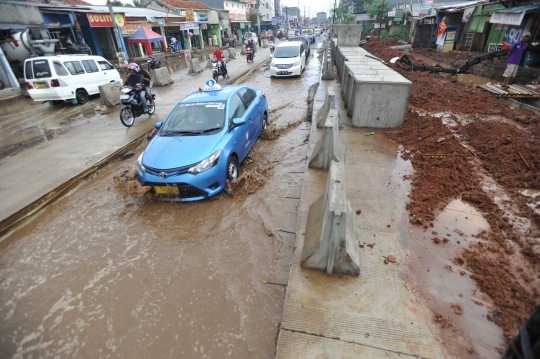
x=258 y=18
x=380 y=22
x=334 y=17
x=287 y=18
x=304 y=15
x=115 y=27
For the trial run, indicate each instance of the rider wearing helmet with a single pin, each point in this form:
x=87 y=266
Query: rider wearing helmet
x=136 y=80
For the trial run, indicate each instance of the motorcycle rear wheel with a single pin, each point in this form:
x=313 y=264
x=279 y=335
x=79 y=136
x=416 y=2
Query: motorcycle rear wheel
x=127 y=118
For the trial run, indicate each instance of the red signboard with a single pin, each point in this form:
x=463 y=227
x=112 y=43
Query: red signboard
x=104 y=20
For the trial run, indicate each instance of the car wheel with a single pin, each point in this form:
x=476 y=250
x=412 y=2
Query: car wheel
x=82 y=96
x=232 y=169
x=127 y=118
x=265 y=121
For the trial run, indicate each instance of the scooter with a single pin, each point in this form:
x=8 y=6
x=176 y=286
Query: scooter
x=132 y=105
x=173 y=47
x=272 y=47
x=154 y=62
x=249 y=54
x=218 y=70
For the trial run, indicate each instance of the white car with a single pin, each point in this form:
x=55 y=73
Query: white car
x=317 y=31
x=67 y=77
x=250 y=36
x=289 y=59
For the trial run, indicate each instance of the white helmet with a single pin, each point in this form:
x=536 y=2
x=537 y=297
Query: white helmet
x=134 y=66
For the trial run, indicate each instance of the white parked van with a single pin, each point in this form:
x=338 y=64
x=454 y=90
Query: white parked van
x=67 y=77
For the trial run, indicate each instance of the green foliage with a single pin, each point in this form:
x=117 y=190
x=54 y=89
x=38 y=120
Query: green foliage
x=400 y=36
x=367 y=30
x=384 y=35
x=116 y=3
x=253 y=18
x=374 y=10
x=138 y=3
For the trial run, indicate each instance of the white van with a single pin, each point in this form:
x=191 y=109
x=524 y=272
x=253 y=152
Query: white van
x=67 y=77
x=289 y=59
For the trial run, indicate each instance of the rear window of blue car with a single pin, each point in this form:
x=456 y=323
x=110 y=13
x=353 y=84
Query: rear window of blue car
x=198 y=116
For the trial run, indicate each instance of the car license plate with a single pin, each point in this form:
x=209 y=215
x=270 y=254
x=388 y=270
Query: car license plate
x=166 y=190
x=124 y=97
x=283 y=72
x=40 y=85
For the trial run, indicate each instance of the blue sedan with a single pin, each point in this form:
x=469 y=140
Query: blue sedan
x=200 y=145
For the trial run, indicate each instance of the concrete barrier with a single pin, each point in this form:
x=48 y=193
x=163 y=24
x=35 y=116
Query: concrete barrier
x=243 y=51
x=330 y=241
x=162 y=77
x=110 y=94
x=328 y=70
x=330 y=146
x=195 y=66
x=333 y=50
x=232 y=53
x=264 y=43
x=329 y=104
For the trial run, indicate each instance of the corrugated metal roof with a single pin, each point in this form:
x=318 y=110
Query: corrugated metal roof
x=519 y=9
x=135 y=11
x=460 y=6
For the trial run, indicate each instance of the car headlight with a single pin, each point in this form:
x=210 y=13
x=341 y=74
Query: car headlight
x=206 y=164
x=296 y=63
x=139 y=164
x=272 y=64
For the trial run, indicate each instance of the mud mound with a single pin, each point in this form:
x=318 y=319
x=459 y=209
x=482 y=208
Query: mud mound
x=127 y=184
x=391 y=42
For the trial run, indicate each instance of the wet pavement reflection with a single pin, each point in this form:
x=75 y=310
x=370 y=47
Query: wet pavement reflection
x=102 y=275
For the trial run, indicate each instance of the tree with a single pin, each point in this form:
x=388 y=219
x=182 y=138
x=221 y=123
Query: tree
x=138 y=3
x=253 y=18
x=116 y=3
x=374 y=10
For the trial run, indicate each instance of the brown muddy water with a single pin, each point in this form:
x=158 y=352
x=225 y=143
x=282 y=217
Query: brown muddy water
x=100 y=275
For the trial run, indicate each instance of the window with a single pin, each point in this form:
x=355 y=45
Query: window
x=247 y=96
x=199 y=117
x=28 y=70
x=59 y=69
x=236 y=109
x=74 y=67
x=301 y=49
x=41 y=69
x=105 y=65
x=90 y=66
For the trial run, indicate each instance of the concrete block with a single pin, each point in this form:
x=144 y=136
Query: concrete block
x=330 y=146
x=232 y=53
x=195 y=66
x=328 y=70
x=333 y=50
x=110 y=94
x=162 y=77
x=264 y=43
x=348 y=35
x=243 y=52
x=329 y=104
x=330 y=241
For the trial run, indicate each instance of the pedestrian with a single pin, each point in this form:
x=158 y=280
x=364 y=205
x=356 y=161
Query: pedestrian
x=259 y=37
x=514 y=58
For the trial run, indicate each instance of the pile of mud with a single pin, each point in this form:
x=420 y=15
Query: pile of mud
x=465 y=144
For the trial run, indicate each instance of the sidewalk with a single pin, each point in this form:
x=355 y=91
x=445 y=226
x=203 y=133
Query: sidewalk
x=34 y=172
x=375 y=315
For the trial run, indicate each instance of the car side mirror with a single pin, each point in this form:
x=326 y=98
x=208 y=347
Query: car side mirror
x=158 y=125
x=237 y=122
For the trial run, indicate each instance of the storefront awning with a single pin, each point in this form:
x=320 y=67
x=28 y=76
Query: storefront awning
x=145 y=34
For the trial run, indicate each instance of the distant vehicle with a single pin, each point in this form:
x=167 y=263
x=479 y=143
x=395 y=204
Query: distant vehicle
x=303 y=40
x=250 y=36
x=317 y=31
x=289 y=59
x=309 y=33
x=67 y=77
x=201 y=143
x=291 y=33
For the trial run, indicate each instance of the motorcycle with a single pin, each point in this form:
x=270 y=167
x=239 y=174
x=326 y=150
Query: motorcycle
x=132 y=105
x=218 y=70
x=249 y=54
x=154 y=62
x=363 y=42
x=272 y=47
x=173 y=47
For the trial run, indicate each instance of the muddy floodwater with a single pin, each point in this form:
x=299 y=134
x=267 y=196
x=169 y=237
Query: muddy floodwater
x=102 y=275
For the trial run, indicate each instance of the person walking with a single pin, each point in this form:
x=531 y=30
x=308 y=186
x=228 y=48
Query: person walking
x=514 y=58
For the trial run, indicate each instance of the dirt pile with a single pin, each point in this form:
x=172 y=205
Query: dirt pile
x=390 y=42
x=464 y=144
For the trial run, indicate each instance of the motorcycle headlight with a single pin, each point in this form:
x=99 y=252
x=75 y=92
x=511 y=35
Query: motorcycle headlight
x=139 y=165
x=296 y=63
x=206 y=164
x=272 y=64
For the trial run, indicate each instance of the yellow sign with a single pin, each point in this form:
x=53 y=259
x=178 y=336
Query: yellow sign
x=119 y=20
x=190 y=16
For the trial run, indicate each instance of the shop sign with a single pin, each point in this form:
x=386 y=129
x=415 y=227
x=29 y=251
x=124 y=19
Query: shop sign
x=242 y=25
x=190 y=15
x=391 y=13
x=202 y=17
x=157 y=20
x=467 y=14
x=399 y=15
x=202 y=26
x=426 y=7
x=237 y=16
x=225 y=22
x=507 y=18
x=130 y=29
x=189 y=26
x=512 y=35
x=104 y=20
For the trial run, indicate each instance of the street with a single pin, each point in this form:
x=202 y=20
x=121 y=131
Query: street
x=105 y=274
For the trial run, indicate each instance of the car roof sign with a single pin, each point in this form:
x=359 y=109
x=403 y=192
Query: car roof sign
x=211 y=85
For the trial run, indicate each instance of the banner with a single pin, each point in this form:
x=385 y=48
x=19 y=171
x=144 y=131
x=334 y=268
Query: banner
x=512 y=35
x=391 y=13
x=130 y=29
x=399 y=15
x=426 y=7
x=467 y=14
x=507 y=18
x=190 y=16
x=157 y=20
x=189 y=26
x=104 y=20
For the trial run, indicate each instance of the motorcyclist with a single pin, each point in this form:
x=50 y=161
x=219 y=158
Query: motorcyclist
x=251 y=44
x=147 y=81
x=218 y=55
x=135 y=79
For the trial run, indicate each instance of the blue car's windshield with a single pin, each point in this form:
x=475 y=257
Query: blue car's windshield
x=195 y=117
x=286 y=52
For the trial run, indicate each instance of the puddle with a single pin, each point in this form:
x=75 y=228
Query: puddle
x=533 y=193
x=460 y=219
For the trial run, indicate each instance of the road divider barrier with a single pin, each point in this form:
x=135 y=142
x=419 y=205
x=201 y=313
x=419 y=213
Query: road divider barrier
x=264 y=43
x=330 y=146
x=328 y=70
x=194 y=66
x=329 y=104
x=162 y=77
x=110 y=94
x=330 y=242
x=243 y=52
x=232 y=53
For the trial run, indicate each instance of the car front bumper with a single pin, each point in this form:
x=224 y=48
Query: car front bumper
x=293 y=71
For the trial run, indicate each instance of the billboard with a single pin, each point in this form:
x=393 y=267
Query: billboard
x=426 y=7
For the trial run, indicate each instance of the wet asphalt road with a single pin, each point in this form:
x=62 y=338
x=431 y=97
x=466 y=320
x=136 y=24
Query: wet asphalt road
x=100 y=275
